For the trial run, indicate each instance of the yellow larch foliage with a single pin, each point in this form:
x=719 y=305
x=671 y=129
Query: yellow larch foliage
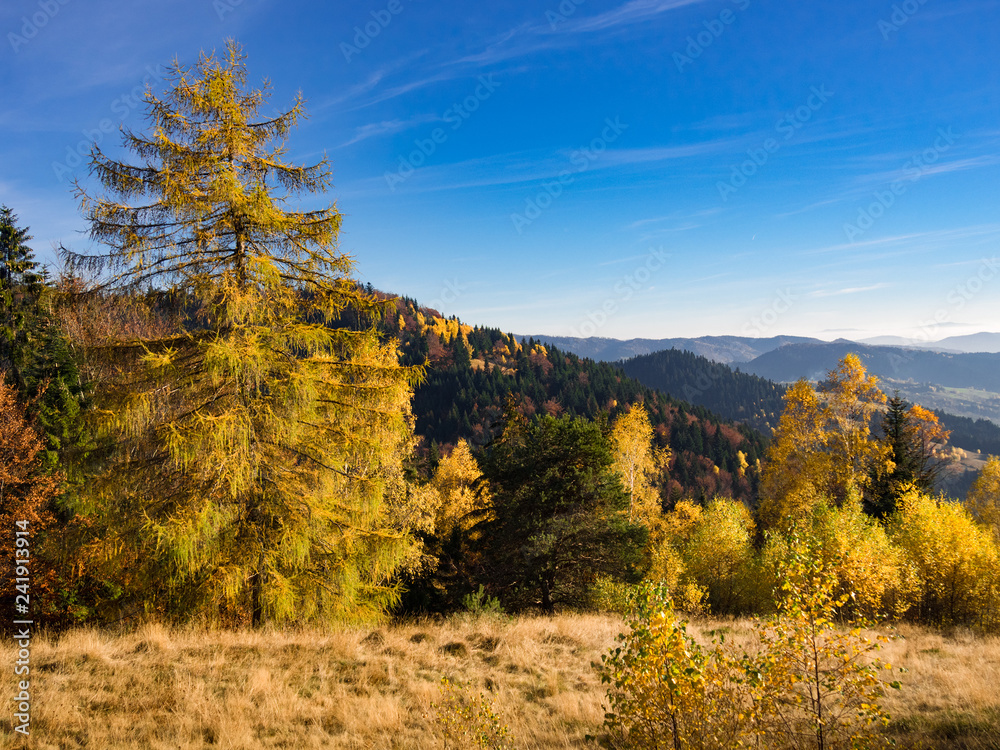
x=457 y=481
x=255 y=447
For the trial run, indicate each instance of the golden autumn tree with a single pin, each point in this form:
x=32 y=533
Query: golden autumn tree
x=26 y=491
x=955 y=560
x=253 y=440
x=637 y=462
x=824 y=445
x=983 y=500
x=797 y=462
x=853 y=400
x=456 y=481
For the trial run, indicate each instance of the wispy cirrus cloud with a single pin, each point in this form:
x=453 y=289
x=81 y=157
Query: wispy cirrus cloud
x=914 y=240
x=521 y=41
x=848 y=290
x=388 y=127
x=674 y=217
x=529 y=39
x=525 y=167
x=636 y=11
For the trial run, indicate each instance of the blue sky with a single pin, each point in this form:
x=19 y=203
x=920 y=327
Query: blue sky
x=648 y=168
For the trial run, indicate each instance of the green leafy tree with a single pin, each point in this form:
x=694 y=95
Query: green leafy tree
x=253 y=443
x=558 y=518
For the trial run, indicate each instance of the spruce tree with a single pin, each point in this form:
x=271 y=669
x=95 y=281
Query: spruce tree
x=254 y=442
x=21 y=286
x=35 y=356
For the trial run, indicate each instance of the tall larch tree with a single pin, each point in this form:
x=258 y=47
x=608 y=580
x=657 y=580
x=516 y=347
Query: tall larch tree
x=253 y=441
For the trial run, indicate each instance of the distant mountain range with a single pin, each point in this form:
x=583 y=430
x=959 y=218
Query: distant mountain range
x=939 y=375
x=737 y=349
x=974 y=342
x=724 y=349
x=891 y=363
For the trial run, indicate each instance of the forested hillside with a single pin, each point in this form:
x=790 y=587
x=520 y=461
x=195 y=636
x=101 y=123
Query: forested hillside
x=472 y=371
x=697 y=380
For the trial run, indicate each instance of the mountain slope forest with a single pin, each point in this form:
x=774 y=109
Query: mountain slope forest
x=471 y=371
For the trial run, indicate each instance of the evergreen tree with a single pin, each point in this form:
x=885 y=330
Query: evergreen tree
x=559 y=515
x=21 y=287
x=254 y=444
x=34 y=353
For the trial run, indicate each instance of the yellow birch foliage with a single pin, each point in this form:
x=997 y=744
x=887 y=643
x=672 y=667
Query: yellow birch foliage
x=665 y=690
x=797 y=464
x=812 y=684
x=719 y=556
x=983 y=500
x=823 y=447
x=874 y=575
x=853 y=399
x=457 y=482
x=807 y=684
x=667 y=538
x=637 y=462
x=956 y=560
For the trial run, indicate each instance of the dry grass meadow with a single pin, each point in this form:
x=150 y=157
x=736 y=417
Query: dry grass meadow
x=373 y=688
